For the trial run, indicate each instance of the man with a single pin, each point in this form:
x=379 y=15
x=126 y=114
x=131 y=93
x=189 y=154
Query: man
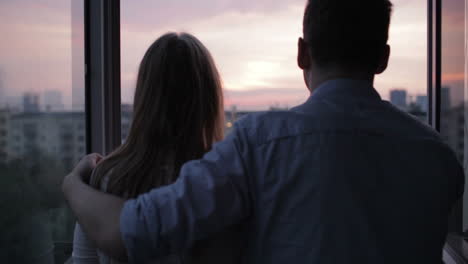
x=343 y=178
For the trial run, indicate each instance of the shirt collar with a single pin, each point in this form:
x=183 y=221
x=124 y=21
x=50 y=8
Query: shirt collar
x=348 y=91
x=347 y=88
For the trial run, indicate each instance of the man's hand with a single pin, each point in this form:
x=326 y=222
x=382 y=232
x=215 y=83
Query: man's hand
x=97 y=212
x=85 y=166
x=82 y=171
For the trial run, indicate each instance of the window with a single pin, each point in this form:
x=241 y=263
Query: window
x=42 y=84
x=254 y=45
x=454 y=84
x=41 y=87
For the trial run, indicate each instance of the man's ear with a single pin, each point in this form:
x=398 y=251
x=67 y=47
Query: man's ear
x=383 y=63
x=303 y=54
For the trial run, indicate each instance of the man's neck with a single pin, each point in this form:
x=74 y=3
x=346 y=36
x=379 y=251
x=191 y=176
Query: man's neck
x=317 y=79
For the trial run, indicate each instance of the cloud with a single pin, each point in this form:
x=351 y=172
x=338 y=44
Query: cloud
x=250 y=50
x=35 y=52
x=257 y=50
x=453 y=77
x=262 y=99
x=152 y=14
x=30 y=12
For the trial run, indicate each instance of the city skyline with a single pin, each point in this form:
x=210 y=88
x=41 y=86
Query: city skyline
x=51 y=101
x=257 y=64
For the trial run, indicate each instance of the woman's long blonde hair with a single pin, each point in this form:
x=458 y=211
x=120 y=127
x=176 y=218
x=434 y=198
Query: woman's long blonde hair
x=178 y=115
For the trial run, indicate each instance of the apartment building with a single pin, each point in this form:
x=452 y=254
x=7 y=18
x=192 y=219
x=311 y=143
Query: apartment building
x=60 y=135
x=4 y=125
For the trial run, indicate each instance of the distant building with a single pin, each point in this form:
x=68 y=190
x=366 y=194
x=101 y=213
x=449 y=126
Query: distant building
x=398 y=98
x=52 y=101
x=446 y=103
x=58 y=134
x=13 y=102
x=31 y=103
x=422 y=102
x=453 y=129
x=231 y=117
x=278 y=108
x=61 y=135
x=415 y=110
x=4 y=129
x=2 y=93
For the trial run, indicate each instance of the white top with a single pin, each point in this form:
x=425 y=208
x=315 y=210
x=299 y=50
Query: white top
x=85 y=252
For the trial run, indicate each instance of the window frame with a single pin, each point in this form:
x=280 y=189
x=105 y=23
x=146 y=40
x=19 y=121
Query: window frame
x=434 y=75
x=102 y=75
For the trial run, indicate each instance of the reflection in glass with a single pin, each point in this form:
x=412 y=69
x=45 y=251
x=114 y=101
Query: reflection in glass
x=454 y=91
x=42 y=126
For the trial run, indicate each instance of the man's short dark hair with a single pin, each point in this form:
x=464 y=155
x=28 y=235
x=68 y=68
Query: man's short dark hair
x=345 y=33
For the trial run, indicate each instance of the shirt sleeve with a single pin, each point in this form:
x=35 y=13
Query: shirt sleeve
x=210 y=194
x=84 y=252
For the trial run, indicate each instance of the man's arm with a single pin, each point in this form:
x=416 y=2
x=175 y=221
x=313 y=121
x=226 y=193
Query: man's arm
x=209 y=195
x=98 y=213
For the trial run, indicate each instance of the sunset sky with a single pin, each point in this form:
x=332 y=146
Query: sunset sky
x=252 y=41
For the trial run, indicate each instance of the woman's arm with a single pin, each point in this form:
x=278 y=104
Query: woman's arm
x=98 y=213
x=84 y=251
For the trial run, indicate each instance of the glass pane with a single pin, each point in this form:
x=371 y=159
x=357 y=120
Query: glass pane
x=453 y=97
x=42 y=127
x=404 y=83
x=254 y=45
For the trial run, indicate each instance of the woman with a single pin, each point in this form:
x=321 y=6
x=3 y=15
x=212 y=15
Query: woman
x=178 y=115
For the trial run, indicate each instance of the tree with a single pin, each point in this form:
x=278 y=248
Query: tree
x=33 y=208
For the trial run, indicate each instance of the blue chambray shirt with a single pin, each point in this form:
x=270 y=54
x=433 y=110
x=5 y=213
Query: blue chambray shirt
x=344 y=178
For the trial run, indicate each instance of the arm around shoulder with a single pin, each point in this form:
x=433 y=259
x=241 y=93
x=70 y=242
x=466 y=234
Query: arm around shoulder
x=211 y=194
x=98 y=213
